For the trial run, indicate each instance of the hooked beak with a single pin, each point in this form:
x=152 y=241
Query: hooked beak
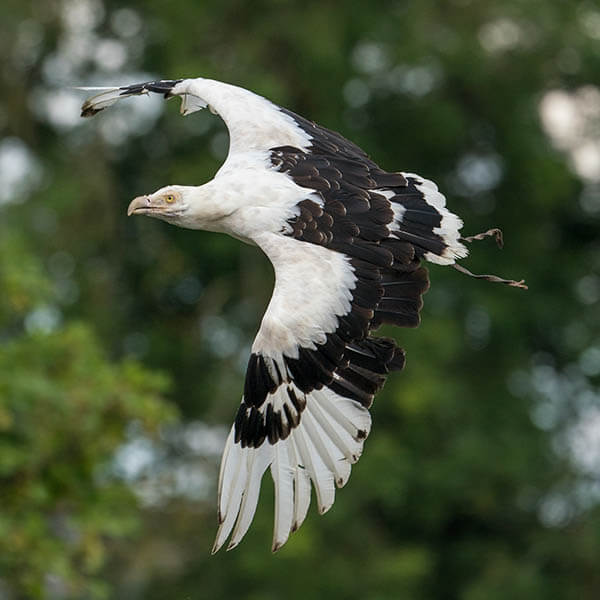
x=139 y=205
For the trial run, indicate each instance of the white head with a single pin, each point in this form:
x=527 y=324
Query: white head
x=194 y=207
x=170 y=203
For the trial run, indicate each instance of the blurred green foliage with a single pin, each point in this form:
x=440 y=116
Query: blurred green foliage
x=480 y=477
x=64 y=411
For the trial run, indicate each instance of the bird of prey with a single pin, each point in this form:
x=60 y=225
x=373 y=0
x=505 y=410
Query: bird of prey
x=346 y=240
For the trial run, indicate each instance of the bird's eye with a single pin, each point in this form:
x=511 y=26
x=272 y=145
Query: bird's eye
x=170 y=198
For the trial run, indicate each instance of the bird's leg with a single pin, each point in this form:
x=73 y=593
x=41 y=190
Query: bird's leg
x=497 y=234
x=519 y=284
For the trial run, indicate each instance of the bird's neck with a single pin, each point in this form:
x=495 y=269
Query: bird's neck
x=245 y=199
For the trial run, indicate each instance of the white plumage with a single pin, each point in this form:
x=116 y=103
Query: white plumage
x=346 y=240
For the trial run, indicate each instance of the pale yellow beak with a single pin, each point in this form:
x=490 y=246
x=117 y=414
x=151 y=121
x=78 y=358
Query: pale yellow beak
x=140 y=205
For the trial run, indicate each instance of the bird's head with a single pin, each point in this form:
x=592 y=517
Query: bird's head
x=170 y=204
x=193 y=207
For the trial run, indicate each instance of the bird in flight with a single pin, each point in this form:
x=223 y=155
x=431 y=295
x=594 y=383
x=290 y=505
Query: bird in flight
x=346 y=240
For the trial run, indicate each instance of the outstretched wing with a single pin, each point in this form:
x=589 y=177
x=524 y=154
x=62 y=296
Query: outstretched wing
x=254 y=123
x=311 y=378
x=347 y=262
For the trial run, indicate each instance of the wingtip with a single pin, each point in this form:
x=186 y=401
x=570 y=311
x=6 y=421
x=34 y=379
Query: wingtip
x=323 y=509
x=279 y=539
x=220 y=539
x=216 y=545
x=89 y=111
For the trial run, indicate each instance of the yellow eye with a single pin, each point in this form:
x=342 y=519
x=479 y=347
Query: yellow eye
x=170 y=198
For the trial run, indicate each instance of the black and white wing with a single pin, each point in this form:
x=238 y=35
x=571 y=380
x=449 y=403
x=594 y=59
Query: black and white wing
x=348 y=262
x=311 y=378
x=107 y=96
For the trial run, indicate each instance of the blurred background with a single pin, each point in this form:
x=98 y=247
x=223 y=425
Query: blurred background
x=123 y=342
